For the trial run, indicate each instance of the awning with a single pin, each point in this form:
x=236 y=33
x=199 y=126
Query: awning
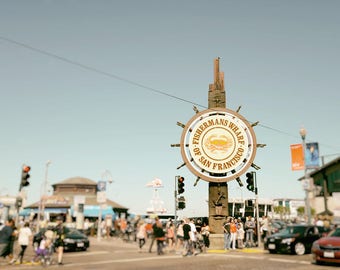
x=94 y=211
x=28 y=211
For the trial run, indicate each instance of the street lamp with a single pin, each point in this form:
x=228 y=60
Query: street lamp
x=106 y=177
x=42 y=195
x=303 y=133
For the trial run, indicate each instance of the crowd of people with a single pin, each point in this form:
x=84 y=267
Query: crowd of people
x=10 y=233
x=242 y=233
x=184 y=236
x=187 y=236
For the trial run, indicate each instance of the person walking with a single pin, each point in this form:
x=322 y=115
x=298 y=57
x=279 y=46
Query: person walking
x=188 y=247
x=264 y=228
x=179 y=236
x=141 y=234
x=6 y=238
x=152 y=235
x=159 y=235
x=170 y=236
x=60 y=232
x=25 y=235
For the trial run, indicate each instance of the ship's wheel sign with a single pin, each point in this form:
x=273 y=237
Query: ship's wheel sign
x=218 y=145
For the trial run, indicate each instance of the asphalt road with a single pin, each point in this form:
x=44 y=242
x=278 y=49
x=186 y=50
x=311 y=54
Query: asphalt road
x=116 y=254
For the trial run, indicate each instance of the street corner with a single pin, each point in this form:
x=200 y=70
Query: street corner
x=252 y=250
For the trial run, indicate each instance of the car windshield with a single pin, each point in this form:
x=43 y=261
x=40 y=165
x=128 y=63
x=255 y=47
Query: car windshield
x=335 y=233
x=293 y=230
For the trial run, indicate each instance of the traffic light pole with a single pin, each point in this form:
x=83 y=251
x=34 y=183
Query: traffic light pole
x=175 y=215
x=259 y=243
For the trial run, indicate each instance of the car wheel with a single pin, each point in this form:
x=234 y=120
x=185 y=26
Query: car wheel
x=299 y=248
x=272 y=251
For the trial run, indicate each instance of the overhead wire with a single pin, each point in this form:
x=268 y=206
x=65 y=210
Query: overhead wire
x=111 y=75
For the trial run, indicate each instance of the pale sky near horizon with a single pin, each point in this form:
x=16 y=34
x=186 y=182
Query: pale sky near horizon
x=100 y=85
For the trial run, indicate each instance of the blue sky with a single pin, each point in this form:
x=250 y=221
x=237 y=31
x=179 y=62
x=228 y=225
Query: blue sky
x=100 y=85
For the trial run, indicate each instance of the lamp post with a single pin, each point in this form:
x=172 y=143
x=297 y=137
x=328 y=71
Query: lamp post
x=42 y=195
x=303 y=133
x=101 y=198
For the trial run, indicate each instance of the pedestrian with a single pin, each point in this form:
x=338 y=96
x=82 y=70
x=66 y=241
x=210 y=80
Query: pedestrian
x=152 y=235
x=240 y=235
x=179 y=236
x=59 y=238
x=42 y=251
x=6 y=238
x=159 y=235
x=170 y=236
x=249 y=229
x=141 y=234
x=233 y=233
x=188 y=247
x=25 y=235
x=264 y=228
x=129 y=230
x=108 y=225
x=226 y=232
x=14 y=237
x=193 y=235
x=123 y=227
x=87 y=227
x=205 y=232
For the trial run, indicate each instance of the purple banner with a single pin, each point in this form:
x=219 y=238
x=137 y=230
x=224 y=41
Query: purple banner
x=312 y=159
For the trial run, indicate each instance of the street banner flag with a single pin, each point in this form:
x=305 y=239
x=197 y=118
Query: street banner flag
x=297 y=156
x=312 y=155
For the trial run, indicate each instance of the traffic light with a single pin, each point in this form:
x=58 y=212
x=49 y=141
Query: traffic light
x=181 y=202
x=18 y=203
x=24 y=177
x=180 y=184
x=250 y=182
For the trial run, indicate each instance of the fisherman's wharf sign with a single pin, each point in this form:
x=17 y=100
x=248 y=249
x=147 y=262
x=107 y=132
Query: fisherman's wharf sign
x=218 y=145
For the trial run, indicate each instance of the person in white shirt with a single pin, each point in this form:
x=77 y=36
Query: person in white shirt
x=25 y=235
x=141 y=234
x=193 y=231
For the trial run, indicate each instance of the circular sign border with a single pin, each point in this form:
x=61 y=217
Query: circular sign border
x=199 y=171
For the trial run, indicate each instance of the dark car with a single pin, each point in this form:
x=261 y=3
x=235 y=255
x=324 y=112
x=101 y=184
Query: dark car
x=327 y=249
x=294 y=239
x=74 y=239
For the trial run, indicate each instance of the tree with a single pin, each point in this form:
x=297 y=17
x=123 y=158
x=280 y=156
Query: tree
x=283 y=211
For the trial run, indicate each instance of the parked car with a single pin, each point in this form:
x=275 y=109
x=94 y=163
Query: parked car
x=74 y=239
x=327 y=249
x=294 y=239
